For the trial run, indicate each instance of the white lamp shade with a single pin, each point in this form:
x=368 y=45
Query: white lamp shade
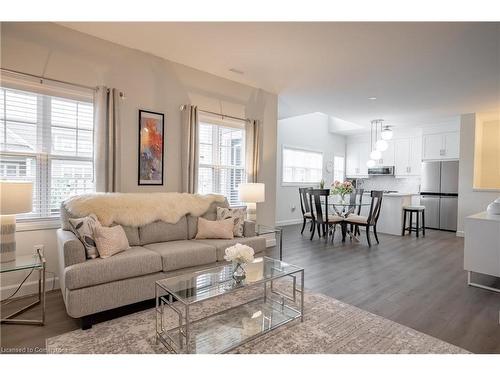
x=375 y=155
x=252 y=192
x=386 y=134
x=381 y=145
x=15 y=197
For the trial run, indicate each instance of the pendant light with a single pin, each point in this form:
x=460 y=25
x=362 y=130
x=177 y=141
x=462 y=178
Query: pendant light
x=371 y=163
x=386 y=133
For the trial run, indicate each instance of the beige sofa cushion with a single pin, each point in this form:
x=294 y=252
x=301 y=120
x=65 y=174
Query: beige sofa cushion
x=211 y=214
x=181 y=254
x=132 y=234
x=258 y=244
x=215 y=228
x=160 y=231
x=110 y=240
x=132 y=262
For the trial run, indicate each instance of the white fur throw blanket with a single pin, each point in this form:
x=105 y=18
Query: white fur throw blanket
x=137 y=209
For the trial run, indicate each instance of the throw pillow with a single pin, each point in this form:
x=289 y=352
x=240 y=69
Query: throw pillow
x=222 y=229
x=110 y=240
x=238 y=214
x=84 y=228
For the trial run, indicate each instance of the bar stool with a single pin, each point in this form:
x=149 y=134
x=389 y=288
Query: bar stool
x=420 y=213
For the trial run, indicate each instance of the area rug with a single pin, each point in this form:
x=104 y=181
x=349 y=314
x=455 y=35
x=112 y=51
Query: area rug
x=330 y=326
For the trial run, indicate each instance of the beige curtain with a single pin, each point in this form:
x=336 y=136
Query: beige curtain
x=106 y=139
x=252 y=147
x=189 y=149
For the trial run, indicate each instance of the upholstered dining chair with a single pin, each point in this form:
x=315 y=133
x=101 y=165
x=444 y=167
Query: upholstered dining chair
x=356 y=197
x=322 y=220
x=372 y=219
x=305 y=207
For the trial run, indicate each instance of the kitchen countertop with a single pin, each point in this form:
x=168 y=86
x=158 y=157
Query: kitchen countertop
x=396 y=194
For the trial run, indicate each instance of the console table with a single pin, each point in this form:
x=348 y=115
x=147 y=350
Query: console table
x=482 y=247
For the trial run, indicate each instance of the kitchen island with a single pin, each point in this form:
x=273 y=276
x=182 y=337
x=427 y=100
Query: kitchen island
x=390 y=220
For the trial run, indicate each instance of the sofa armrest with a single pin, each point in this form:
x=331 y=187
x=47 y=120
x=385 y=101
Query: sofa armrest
x=249 y=229
x=70 y=249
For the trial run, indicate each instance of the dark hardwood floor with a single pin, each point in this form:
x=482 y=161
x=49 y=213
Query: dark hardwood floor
x=419 y=283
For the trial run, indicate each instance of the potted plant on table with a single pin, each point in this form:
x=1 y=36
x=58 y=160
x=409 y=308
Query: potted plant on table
x=342 y=189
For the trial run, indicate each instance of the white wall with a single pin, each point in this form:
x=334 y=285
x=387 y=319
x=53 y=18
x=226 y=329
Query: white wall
x=149 y=83
x=309 y=132
x=469 y=201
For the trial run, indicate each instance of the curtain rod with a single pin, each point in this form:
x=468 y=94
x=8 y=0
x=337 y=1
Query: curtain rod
x=219 y=114
x=49 y=79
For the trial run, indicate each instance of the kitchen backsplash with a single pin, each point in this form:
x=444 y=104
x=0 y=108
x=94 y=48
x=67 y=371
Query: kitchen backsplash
x=402 y=185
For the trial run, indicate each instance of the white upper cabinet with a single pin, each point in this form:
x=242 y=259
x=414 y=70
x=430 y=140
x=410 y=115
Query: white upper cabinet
x=451 y=145
x=407 y=155
x=440 y=146
x=357 y=155
x=388 y=155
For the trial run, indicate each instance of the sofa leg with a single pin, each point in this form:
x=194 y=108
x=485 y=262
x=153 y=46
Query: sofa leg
x=86 y=322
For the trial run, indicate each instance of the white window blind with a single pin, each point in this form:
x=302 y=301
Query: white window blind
x=222 y=159
x=301 y=166
x=47 y=140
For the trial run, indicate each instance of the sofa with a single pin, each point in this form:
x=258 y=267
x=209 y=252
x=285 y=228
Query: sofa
x=157 y=250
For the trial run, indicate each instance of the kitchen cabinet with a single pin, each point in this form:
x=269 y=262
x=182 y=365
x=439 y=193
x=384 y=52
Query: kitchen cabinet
x=440 y=146
x=357 y=154
x=390 y=220
x=387 y=158
x=407 y=156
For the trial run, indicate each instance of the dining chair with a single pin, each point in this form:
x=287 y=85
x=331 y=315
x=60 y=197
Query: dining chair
x=322 y=220
x=356 y=197
x=305 y=207
x=372 y=219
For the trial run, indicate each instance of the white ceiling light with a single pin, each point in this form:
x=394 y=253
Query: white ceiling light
x=375 y=155
x=381 y=145
x=371 y=163
x=386 y=133
x=372 y=98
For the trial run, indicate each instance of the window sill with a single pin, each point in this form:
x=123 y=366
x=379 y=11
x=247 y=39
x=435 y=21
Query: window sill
x=32 y=225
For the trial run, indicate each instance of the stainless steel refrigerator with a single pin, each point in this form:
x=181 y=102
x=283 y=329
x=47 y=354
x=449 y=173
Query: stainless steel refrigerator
x=439 y=194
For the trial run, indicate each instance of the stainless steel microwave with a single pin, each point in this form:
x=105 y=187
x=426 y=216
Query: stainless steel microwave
x=381 y=171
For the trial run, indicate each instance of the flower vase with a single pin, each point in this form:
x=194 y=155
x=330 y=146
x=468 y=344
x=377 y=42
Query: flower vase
x=342 y=199
x=239 y=273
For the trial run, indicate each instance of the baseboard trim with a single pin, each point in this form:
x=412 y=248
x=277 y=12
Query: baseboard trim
x=284 y=223
x=29 y=288
x=460 y=233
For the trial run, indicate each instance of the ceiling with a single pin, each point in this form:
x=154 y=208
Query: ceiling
x=418 y=72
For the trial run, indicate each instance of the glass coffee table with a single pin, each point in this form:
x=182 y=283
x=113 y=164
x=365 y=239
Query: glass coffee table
x=270 y=308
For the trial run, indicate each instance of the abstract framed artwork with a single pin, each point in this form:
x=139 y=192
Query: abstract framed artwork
x=151 y=141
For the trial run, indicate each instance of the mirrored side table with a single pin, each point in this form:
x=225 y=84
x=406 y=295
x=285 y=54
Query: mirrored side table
x=262 y=230
x=27 y=262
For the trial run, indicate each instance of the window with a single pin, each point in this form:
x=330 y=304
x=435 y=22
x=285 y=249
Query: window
x=222 y=159
x=302 y=166
x=338 y=168
x=47 y=140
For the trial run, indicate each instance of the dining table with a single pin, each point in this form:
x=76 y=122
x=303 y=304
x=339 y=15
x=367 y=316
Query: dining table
x=344 y=209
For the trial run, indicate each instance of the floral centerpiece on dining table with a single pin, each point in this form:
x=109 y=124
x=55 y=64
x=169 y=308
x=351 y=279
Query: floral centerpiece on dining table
x=342 y=189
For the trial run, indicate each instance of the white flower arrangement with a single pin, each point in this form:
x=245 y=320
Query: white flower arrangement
x=239 y=253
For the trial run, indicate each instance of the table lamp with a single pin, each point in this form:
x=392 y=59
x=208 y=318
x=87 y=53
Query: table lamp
x=15 y=198
x=251 y=194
